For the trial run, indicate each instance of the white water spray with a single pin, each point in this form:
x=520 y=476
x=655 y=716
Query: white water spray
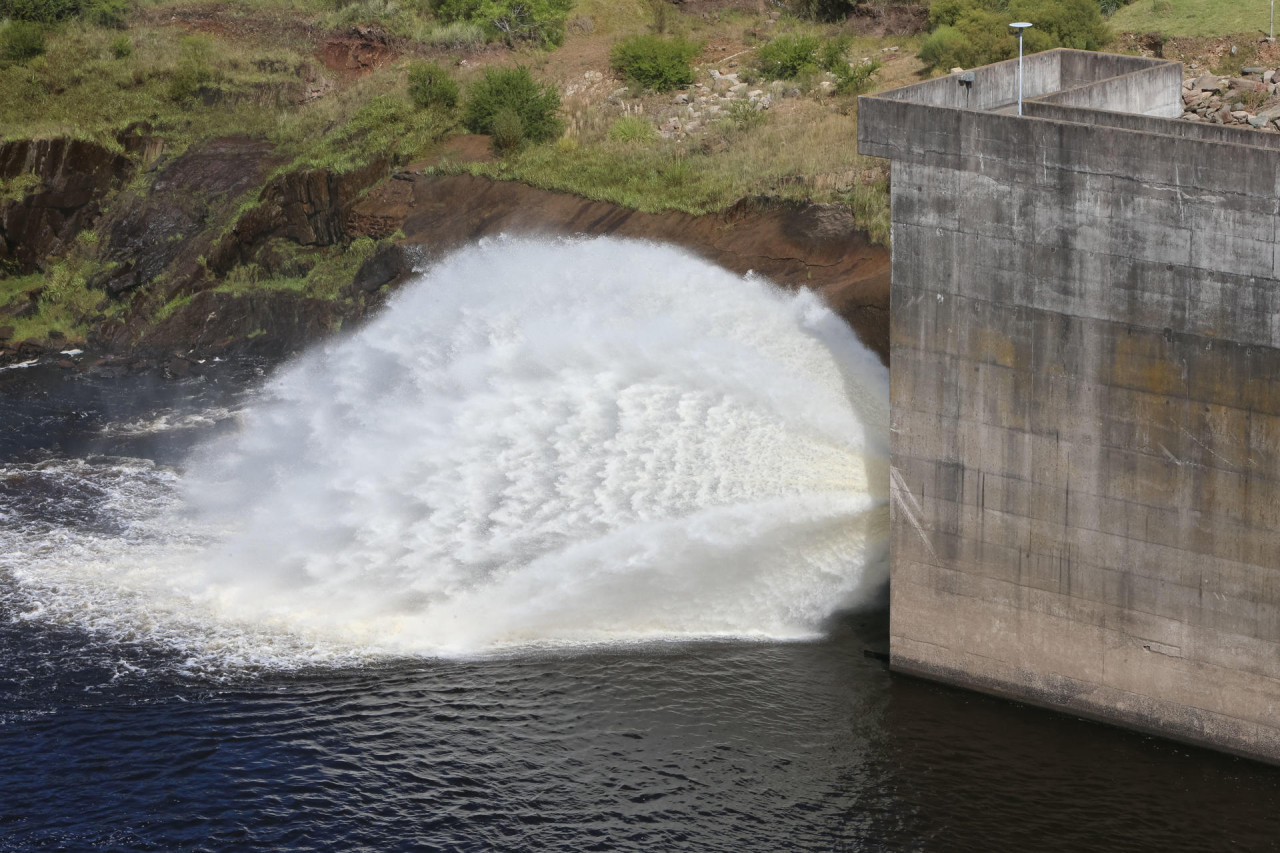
x=536 y=443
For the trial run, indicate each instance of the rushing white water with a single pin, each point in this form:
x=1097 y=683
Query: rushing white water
x=536 y=443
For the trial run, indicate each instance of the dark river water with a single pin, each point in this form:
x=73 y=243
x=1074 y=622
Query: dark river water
x=108 y=743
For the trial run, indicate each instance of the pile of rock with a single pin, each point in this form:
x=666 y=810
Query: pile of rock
x=1251 y=100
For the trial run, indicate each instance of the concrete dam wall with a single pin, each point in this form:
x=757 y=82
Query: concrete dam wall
x=1085 y=391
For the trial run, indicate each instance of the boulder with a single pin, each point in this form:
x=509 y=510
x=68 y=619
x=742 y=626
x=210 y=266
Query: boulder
x=1240 y=84
x=387 y=264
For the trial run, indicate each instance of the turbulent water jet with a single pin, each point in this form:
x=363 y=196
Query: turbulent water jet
x=536 y=443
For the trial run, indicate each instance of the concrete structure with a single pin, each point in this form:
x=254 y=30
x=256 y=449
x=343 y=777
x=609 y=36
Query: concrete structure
x=1085 y=372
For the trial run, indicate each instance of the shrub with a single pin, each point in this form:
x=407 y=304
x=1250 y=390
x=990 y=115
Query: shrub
x=788 y=56
x=21 y=40
x=194 y=71
x=538 y=22
x=657 y=63
x=854 y=79
x=106 y=13
x=832 y=54
x=632 y=129
x=508 y=131
x=40 y=11
x=741 y=115
x=940 y=47
x=975 y=32
x=823 y=10
x=431 y=86
x=514 y=89
x=122 y=47
x=1062 y=23
x=945 y=13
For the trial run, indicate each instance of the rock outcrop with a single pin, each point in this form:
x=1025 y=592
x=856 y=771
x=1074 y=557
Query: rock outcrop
x=58 y=189
x=166 y=227
x=795 y=245
x=178 y=264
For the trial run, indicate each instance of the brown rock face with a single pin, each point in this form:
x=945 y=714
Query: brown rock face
x=307 y=206
x=794 y=245
x=269 y=323
x=166 y=228
x=74 y=176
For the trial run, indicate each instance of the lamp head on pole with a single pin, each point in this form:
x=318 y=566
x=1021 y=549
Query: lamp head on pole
x=1018 y=28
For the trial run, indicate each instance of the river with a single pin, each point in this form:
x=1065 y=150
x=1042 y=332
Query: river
x=385 y=672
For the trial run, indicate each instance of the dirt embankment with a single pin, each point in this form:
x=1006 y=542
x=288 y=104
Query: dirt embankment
x=794 y=245
x=165 y=255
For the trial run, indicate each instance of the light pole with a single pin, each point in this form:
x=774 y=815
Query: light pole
x=1020 y=27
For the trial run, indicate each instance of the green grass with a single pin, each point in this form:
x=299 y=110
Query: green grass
x=79 y=88
x=334 y=268
x=65 y=304
x=1193 y=17
x=808 y=156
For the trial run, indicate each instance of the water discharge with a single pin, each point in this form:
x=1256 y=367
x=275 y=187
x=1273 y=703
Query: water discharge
x=536 y=443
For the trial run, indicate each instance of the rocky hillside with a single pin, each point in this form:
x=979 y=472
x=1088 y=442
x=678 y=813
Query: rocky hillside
x=220 y=177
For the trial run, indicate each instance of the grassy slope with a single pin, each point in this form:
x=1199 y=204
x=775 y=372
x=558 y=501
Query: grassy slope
x=1193 y=17
x=255 y=60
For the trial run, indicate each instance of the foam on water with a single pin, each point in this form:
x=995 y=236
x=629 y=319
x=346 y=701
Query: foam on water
x=537 y=443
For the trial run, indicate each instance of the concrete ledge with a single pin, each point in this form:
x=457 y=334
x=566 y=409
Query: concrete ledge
x=1100 y=704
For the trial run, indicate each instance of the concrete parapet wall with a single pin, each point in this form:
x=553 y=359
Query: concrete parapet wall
x=993 y=86
x=1224 y=134
x=1155 y=91
x=1085 y=393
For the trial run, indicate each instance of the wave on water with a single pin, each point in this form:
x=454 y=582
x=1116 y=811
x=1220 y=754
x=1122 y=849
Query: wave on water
x=538 y=443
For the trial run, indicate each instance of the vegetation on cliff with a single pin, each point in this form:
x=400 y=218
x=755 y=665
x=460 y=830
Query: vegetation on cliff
x=225 y=142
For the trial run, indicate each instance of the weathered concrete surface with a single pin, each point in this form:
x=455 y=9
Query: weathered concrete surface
x=1085 y=340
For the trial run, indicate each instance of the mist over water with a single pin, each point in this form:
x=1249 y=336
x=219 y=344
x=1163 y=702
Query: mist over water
x=537 y=443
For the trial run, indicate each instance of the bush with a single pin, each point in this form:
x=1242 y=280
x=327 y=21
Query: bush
x=113 y=14
x=508 y=131
x=823 y=10
x=39 y=11
x=514 y=89
x=632 y=129
x=975 y=32
x=21 y=40
x=855 y=79
x=657 y=63
x=193 y=72
x=122 y=47
x=788 y=56
x=1076 y=24
x=940 y=47
x=538 y=22
x=103 y=13
x=431 y=86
